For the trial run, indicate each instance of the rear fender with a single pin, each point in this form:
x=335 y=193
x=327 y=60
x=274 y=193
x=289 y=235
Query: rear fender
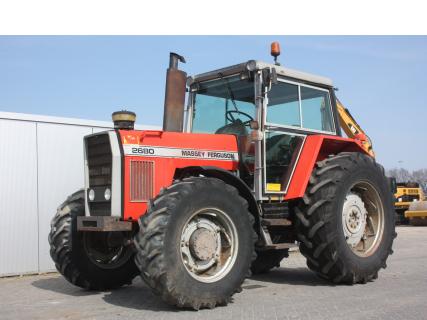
x=317 y=148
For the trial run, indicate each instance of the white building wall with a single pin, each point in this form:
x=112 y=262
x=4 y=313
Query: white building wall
x=60 y=173
x=41 y=163
x=18 y=198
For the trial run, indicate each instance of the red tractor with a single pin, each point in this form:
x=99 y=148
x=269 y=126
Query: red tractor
x=255 y=164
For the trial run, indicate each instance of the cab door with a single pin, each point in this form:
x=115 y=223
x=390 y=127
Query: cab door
x=293 y=111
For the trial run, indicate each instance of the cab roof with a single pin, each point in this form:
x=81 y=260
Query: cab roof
x=258 y=65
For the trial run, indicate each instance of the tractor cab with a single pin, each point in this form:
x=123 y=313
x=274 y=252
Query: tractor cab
x=270 y=109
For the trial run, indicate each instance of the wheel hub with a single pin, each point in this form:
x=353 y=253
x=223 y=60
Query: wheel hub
x=354 y=218
x=209 y=245
x=106 y=250
x=203 y=244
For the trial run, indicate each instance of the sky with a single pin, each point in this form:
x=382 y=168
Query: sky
x=381 y=79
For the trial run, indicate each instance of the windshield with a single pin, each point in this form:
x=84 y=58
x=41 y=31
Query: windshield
x=224 y=105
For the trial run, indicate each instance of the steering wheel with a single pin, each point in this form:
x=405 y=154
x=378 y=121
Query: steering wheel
x=229 y=115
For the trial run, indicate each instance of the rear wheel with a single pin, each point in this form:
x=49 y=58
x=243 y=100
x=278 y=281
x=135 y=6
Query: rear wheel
x=419 y=207
x=346 y=220
x=91 y=260
x=196 y=243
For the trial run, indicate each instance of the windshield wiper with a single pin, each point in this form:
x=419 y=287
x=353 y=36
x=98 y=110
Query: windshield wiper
x=229 y=90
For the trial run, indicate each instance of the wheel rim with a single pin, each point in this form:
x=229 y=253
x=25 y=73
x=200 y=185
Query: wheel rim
x=363 y=218
x=106 y=249
x=209 y=245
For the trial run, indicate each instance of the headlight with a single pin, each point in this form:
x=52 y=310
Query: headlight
x=91 y=194
x=107 y=194
x=400 y=199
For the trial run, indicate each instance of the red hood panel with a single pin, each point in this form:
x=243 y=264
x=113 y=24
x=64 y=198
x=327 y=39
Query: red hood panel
x=164 y=153
x=199 y=141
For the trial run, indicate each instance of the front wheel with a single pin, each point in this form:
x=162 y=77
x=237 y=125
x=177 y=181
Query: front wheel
x=346 y=220
x=91 y=260
x=196 y=243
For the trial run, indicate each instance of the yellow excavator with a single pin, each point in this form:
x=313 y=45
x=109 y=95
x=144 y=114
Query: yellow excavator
x=410 y=204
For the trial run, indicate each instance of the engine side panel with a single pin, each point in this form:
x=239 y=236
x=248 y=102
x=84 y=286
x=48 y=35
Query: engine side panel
x=160 y=154
x=317 y=148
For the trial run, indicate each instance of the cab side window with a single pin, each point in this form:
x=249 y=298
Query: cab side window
x=283 y=105
x=316 y=109
x=299 y=106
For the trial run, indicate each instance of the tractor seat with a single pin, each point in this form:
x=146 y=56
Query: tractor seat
x=237 y=128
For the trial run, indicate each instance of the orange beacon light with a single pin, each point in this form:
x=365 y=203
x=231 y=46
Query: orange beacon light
x=275 y=51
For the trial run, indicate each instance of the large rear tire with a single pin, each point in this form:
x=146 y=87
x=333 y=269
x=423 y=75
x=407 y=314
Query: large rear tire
x=85 y=259
x=196 y=243
x=345 y=222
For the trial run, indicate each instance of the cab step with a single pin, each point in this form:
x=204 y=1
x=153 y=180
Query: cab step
x=275 y=210
x=280 y=246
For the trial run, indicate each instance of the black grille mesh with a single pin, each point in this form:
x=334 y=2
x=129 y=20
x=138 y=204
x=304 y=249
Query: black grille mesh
x=100 y=159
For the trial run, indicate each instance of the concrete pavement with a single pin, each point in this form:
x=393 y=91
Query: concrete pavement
x=289 y=292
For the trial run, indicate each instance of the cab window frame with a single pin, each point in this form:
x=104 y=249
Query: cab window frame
x=301 y=128
x=191 y=101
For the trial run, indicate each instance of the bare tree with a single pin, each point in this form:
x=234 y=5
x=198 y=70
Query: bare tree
x=420 y=176
x=400 y=174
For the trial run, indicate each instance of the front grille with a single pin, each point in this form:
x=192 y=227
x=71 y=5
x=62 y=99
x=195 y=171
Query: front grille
x=141 y=180
x=99 y=160
x=100 y=208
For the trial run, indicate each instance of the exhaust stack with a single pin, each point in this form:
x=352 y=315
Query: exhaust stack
x=173 y=116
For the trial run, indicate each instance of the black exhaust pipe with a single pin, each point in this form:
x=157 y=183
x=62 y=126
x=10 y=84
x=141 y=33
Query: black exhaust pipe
x=173 y=116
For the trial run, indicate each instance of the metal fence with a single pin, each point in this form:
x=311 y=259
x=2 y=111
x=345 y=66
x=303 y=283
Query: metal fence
x=41 y=163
